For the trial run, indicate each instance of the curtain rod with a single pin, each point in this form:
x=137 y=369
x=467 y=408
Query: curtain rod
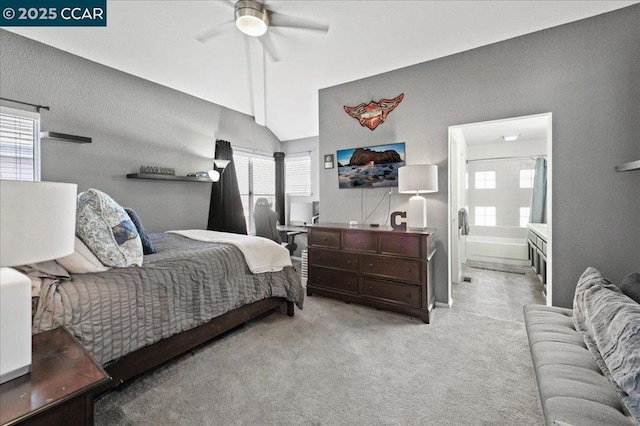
x=38 y=107
x=529 y=157
x=251 y=150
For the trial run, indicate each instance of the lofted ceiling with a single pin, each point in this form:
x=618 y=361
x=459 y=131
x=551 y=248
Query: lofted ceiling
x=156 y=40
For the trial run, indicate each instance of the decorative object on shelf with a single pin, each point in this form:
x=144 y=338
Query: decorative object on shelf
x=370 y=167
x=64 y=137
x=202 y=175
x=155 y=170
x=37 y=223
x=328 y=161
x=417 y=179
x=373 y=114
x=154 y=176
x=402 y=226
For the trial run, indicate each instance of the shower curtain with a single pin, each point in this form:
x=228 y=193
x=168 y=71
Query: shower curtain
x=538 y=213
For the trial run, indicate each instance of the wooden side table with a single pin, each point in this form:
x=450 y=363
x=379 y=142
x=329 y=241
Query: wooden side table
x=57 y=391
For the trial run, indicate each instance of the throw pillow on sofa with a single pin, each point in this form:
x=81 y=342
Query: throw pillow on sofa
x=609 y=323
x=106 y=228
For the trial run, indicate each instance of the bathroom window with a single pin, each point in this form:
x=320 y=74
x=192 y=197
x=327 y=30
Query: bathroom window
x=486 y=180
x=485 y=216
x=526 y=178
x=524 y=216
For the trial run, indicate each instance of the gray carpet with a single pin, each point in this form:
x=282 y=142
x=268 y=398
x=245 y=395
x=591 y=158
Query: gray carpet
x=343 y=364
x=494 y=266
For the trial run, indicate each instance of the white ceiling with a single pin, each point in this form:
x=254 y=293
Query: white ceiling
x=533 y=128
x=156 y=40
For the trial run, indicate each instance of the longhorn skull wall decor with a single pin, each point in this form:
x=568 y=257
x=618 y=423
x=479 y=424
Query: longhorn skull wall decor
x=373 y=114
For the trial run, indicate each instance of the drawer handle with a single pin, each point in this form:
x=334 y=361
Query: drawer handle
x=409 y=270
x=371 y=287
x=408 y=295
x=348 y=262
x=324 y=238
x=371 y=265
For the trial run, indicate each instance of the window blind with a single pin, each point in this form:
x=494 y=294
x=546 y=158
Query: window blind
x=19 y=144
x=298 y=175
x=256 y=179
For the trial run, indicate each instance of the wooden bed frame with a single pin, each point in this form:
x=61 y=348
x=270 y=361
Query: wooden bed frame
x=149 y=357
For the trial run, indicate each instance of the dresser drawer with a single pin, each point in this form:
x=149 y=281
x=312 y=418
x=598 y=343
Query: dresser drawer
x=393 y=268
x=333 y=259
x=336 y=280
x=324 y=238
x=359 y=241
x=408 y=295
x=400 y=244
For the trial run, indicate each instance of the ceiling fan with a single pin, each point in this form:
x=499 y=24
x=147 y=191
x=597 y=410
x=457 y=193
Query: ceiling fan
x=254 y=19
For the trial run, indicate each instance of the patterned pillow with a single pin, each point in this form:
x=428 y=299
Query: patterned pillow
x=147 y=244
x=104 y=226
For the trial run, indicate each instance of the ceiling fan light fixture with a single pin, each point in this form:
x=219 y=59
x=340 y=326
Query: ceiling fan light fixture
x=251 y=18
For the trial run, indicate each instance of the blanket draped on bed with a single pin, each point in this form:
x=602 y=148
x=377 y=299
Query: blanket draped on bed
x=261 y=254
x=185 y=284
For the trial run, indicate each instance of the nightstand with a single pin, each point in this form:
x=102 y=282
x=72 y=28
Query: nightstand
x=57 y=391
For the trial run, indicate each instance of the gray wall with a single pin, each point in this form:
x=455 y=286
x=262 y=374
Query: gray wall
x=586 y=73
x=132 y=121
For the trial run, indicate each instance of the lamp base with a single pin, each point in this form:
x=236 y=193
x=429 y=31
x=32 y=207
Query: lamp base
x=15 y=324
x=417 y=213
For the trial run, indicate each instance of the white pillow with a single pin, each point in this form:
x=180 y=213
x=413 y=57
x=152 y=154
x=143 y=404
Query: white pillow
x=82 y=260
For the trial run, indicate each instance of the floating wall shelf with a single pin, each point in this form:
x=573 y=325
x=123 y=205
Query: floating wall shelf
x=633 y=165
x=149 y=176
x=64 y=137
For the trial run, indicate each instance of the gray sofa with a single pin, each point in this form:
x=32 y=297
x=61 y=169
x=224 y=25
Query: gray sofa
x=573 y=389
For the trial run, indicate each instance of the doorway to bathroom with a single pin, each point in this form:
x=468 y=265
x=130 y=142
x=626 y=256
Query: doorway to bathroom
x=500 y=210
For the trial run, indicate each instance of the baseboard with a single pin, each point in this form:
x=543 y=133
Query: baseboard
x=444 y=305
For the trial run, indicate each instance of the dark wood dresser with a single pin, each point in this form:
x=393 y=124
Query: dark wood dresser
x=374 y=266
x=57 y=391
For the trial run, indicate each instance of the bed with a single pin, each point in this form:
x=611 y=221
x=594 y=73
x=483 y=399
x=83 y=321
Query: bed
x=133 y=319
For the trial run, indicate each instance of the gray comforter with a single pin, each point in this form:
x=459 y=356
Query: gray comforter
x=185 y=284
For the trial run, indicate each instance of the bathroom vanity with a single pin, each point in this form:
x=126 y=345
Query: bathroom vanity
x=537 y=241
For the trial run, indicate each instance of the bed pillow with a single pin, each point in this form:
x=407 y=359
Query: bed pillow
x=147 y=244
x=104 y=226
x=631 y=286
x=82 y=260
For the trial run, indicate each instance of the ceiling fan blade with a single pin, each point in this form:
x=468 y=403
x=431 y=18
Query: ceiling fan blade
x=230 y=3
x=213 y=32
x=277 y=19
x=267 y=43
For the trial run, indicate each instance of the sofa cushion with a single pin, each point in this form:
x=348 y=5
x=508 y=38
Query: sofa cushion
x=104 y=226
x=558 y=353
x=584 y=383
x=575 y=411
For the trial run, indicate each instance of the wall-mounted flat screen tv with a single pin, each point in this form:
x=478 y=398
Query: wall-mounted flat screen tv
x=370 y=166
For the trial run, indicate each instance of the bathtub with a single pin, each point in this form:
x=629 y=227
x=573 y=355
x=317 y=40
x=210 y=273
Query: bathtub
x=497 y=249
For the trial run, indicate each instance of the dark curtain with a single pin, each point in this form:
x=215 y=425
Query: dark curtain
x=279 y=160
x=225 y=208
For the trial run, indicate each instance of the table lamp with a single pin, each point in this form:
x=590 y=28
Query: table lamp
x=417 y=179
x=37 y=223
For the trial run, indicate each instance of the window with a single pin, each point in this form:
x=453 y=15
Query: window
x=524 y=216
x=486 y=180
x=256 y=179
x=19 y=144
x=298 y=175
x=485 y=216
x=526 y=178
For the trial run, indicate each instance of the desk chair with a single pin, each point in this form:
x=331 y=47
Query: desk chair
x=266 y=221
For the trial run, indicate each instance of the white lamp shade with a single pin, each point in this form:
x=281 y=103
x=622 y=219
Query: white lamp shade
x=418 y=179
x=37 y=221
